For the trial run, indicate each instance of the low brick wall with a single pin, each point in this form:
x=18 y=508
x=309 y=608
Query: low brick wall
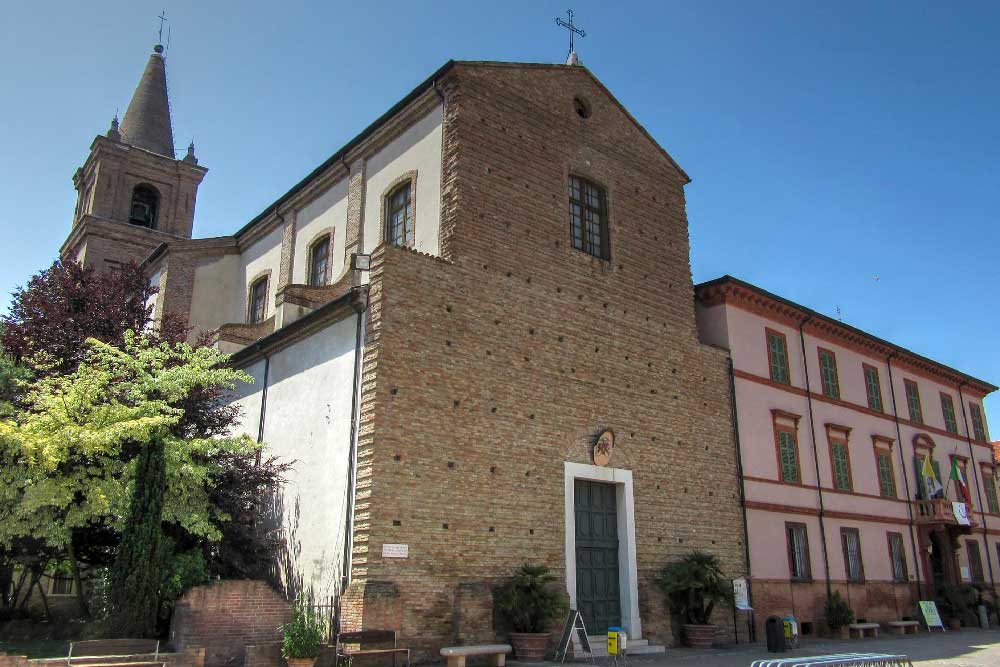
x=226 y=617
x=193 y=656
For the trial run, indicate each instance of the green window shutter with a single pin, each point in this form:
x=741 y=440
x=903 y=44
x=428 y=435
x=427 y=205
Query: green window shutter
x=828 y=372
x=887 y=484
x=978 y=429
x=913 y=401
x=789 y=457
x=991 y=495
x=874 y=390
x=948 y=410
x=779 y=358
x=841 y=470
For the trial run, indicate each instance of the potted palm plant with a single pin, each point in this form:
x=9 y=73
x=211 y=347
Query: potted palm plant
x=528 y=602
x=839 y=615
x=693 y=586
x=302 y=636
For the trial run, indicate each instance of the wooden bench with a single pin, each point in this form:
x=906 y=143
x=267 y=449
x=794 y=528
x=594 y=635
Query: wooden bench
x=369 y=637
x=863 y=630
x=904 y=627
x=106 y=648
x=456 y=655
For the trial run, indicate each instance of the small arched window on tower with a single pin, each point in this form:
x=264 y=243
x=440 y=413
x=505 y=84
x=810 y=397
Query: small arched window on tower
x=319 y=261
x=145 y=205
x=399 y=216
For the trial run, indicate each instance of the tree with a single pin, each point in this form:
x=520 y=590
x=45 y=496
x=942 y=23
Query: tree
x=109 y=445
x=66 y=304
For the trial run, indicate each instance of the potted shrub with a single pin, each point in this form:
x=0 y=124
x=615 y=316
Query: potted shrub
x=528 y=602
x=838 y=615
x=302 y=636
x=693 y=586
x=956 y=603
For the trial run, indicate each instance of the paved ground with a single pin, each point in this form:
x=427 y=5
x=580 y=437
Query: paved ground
x=967 y=648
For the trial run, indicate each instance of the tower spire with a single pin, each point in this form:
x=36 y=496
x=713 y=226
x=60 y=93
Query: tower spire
x=147 y=120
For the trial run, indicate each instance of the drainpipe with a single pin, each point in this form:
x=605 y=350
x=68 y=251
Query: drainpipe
x=906 y=475
x=735 y=417
x=739 y=468
x=812 y=429
x=263 y=405
x=979 y=490
x=353 y=449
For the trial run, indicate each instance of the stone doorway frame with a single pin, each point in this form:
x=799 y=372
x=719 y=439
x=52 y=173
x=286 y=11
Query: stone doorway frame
x=627 y=569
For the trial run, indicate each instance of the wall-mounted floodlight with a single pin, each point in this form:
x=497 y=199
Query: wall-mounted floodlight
x=361 y=262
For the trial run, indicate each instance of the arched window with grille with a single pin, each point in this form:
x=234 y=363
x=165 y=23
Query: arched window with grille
x=145 y=206
x=319 y=261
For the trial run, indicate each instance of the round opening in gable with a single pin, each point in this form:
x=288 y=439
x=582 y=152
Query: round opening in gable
x=582 y=107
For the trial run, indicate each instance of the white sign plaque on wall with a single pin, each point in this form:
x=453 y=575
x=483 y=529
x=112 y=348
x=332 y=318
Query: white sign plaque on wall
x=395 y=551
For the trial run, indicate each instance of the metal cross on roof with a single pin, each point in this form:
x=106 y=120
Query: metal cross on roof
x=573 y=30
x=162 y=17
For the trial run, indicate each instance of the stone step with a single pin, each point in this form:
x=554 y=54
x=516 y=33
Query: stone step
x=599 y=643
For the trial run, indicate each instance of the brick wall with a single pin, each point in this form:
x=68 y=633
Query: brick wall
x=487 y=370
x=226 y=616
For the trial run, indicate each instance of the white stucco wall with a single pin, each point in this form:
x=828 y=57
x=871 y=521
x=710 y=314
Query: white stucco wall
x=325 y=213
x=263 y=255
x=417 y=149
x=308 y=420
x=247 y=397
x=213 y=304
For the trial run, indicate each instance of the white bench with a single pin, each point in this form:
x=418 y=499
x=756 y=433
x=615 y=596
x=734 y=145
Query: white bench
x=456 y=655
x=863 y=630
x=904 y=627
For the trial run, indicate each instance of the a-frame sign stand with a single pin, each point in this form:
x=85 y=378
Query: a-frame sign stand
x=574 y=625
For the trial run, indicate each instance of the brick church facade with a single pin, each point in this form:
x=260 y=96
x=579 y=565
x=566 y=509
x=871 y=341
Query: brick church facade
x=529 y=290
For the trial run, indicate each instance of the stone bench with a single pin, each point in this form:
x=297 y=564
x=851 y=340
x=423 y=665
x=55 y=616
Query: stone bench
x=456 y=655
x=904 y=627
x=863 y=630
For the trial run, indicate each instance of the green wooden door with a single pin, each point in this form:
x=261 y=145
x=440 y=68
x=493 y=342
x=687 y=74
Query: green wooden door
x=597 y=588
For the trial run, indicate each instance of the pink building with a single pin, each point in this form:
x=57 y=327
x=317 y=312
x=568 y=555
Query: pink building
x=834 y=424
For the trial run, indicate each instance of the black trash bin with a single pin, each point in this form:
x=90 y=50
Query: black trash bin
x=774 y=629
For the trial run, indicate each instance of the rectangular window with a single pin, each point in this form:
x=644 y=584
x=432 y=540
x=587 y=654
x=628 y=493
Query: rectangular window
x=990 y=484
x=777 y=355
x=851 y=542
x=978 y=428
x=789 y=456
x=897 y=556
x=588 y=213
x=873 y=387
x=948 y=410
x=886 y=478
x=798 y=551
x=913 y=401
x=62 y=584
x=841 y=465
x=975 y=561
x=828 y=373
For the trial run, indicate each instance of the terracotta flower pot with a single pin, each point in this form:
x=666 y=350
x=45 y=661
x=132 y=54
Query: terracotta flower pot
x=954 y=624
x=300 y=662
x=698 y=636
x=530 y=646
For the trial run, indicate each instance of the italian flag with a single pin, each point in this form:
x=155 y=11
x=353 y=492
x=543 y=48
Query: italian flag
x=959 y=479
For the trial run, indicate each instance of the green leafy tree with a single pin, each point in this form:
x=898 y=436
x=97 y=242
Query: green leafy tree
x=107 y=446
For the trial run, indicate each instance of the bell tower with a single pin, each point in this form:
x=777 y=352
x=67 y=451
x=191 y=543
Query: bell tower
x=133 y=194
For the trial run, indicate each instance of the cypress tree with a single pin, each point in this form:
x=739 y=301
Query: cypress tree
x=138 y=569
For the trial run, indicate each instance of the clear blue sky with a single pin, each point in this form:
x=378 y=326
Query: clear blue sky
x=829 y=142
